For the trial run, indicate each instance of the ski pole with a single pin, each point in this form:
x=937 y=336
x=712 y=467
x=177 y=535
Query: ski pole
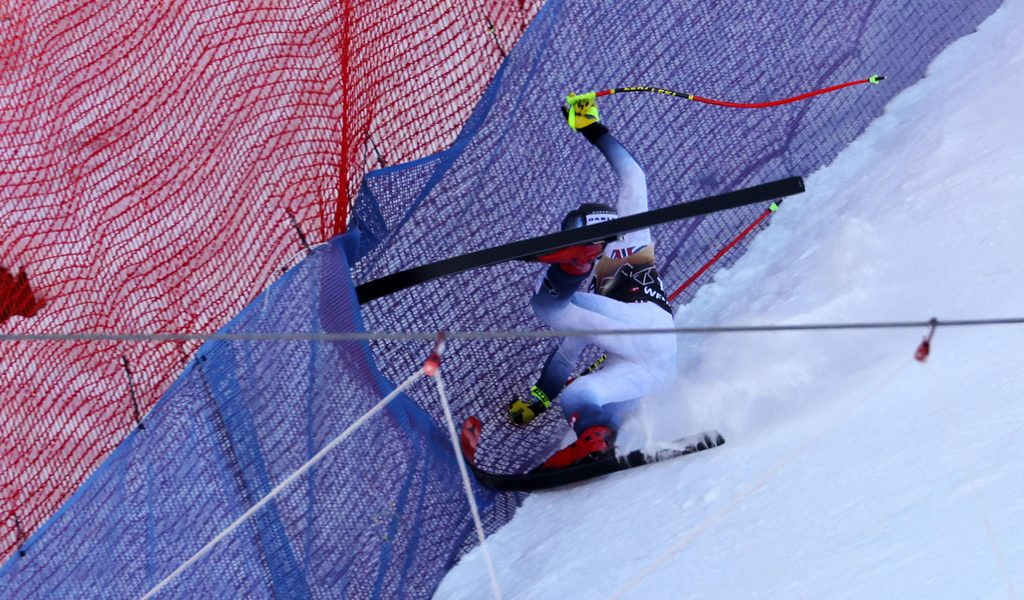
x=774 y=207
x=574 y=98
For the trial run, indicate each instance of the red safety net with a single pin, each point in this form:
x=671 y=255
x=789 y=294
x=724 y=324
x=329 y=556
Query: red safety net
x=159 y=163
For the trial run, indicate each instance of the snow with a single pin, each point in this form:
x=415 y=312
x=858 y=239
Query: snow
x=851 y=470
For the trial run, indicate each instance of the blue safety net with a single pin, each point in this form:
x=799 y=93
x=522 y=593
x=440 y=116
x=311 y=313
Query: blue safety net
x=384 y=515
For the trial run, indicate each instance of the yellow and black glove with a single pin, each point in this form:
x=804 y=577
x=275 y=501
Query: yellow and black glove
x=522 y=412
x=582 y=110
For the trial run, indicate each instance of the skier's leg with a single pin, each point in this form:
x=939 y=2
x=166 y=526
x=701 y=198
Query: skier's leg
x=602 y=398
x=638 y=363
x=595 y=405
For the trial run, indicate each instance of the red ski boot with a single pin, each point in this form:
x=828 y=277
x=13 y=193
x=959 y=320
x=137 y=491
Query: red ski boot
x=593 y=444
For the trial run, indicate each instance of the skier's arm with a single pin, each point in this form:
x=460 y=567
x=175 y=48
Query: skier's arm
x=632 y=181
x=558 y=368
x=560 y=365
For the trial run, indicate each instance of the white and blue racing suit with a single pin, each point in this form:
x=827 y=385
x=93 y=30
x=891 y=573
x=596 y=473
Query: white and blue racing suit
x=627 y=294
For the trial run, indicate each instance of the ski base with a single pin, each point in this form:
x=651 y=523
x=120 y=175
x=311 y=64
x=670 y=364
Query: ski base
x=472 y=428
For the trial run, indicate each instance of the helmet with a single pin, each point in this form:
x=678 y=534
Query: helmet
x=588 y=214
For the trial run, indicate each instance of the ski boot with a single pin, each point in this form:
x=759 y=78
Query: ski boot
x=593 y=444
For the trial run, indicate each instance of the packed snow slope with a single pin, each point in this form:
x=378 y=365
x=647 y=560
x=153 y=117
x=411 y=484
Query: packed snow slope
x=851 y=470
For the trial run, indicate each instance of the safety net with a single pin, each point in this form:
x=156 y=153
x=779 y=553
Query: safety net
x=383 y=516
x=162 y=163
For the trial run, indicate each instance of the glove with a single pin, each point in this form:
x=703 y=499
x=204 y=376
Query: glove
x=582 y=110
x=521 y=412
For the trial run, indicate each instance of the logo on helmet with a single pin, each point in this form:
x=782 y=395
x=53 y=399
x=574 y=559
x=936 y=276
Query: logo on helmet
x=588 y=214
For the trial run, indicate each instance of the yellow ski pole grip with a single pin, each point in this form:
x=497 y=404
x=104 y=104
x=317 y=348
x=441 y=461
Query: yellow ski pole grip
x=574 y=98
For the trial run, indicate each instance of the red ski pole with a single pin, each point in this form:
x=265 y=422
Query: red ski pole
x=573 y=98
x=774 y=207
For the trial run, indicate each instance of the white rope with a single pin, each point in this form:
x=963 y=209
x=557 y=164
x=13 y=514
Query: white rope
x=467 y=485
x=739 y=498
x=281 y=486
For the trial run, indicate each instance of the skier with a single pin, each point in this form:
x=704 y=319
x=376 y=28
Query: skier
x=625 y=293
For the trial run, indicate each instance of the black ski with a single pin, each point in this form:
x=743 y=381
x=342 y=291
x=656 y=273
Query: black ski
x=540 y=480
x=530 y=249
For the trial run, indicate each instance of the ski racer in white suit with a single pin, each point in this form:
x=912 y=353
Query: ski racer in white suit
x=625 y=293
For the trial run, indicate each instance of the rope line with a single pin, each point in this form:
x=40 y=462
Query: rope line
x=467 y=485
x=281 y=486
x=485 y=335
x=769 y=473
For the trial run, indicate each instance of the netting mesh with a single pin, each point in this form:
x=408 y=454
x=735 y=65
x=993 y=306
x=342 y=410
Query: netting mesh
x=153 y=155
x=90 y=176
